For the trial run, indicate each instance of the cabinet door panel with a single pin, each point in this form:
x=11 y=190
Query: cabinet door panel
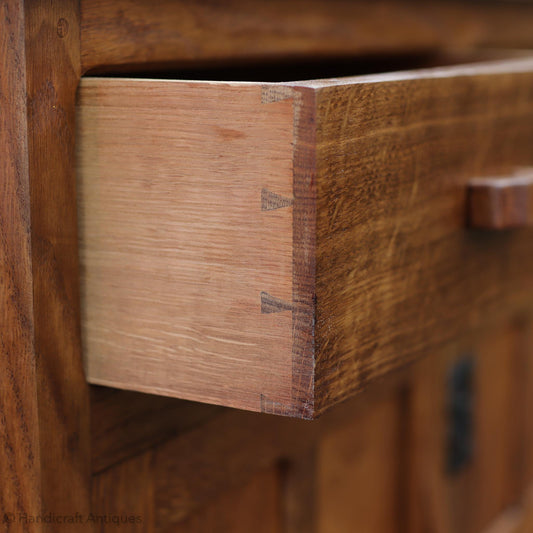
x=467 y=499
x=359 y=472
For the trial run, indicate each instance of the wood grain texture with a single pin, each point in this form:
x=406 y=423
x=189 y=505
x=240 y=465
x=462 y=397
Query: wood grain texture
x=19 y=429
x=204 y=477
x=471 y=498
x=53 y=71
x=197 y=466
x=215 y=304
x=255 y=506
x=125 y=424
x=375 y=463
x=134 y=34
x=397 y=273
x=210 y=293
x=123 y=497
x=359 y=467
x=193 y=467
x=501 y=203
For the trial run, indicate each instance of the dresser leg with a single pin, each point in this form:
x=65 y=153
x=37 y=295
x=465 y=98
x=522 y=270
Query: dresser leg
x=46 y=407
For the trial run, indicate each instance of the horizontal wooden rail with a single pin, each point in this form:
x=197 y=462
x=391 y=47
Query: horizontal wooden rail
x=129 y=34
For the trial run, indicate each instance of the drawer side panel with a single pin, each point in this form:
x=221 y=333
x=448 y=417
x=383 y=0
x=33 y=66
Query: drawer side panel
x=185 y=206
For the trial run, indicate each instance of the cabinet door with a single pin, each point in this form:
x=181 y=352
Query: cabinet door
x=464 y=472
x=359 y=472
x=254 y=507
x=444 y=448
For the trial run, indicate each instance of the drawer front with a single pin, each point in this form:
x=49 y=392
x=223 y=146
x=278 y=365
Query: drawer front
x=398 y=271
x=276 y=247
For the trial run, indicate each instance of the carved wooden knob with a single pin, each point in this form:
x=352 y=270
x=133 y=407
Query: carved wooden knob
x=501 y=203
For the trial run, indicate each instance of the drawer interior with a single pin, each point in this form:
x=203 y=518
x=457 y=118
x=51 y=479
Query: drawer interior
x=288 y=70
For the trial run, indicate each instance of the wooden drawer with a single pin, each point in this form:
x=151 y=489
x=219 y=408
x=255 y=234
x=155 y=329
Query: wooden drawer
x=277 y=246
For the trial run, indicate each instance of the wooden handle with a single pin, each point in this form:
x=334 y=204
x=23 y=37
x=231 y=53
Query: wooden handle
x=501 y=203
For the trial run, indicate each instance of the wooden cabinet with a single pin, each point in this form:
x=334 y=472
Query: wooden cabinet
x=382 y=464
x=300 y=248
x=492 y=476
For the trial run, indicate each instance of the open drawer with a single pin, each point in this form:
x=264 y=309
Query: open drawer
x=277 y=246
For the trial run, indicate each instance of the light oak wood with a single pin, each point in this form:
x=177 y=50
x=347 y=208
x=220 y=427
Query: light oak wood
x=276 y=247
x=218 y=292
x=132 y=34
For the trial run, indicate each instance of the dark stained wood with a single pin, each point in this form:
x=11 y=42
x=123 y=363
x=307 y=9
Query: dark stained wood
x=255 y=506
x=358 y=487
x=501 y=203
x=47 y=426
x=53 y=71
x=379 y=267
x=195 y=459
x=219 y=456
x=303 y=255
x=470 y=498
x=44 y=402
x=300 y=486
x=527 y=401
x=19 y=429
x=184 y=477
x=516 y=519
x=125 y=494
x=376 y=462
x=124 y=424
x=228 y=449
x=398 y=273
x=135 y=34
